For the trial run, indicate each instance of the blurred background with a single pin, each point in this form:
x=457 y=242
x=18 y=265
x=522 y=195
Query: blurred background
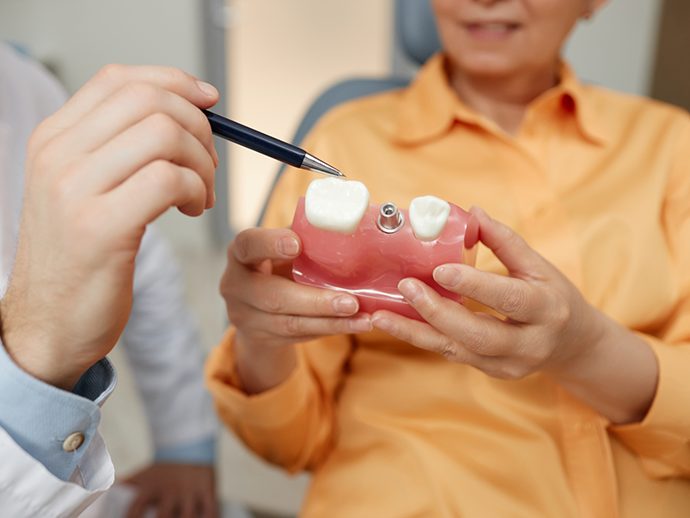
x=271 y=59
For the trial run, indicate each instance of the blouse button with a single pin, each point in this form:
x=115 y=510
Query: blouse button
x=73 y=442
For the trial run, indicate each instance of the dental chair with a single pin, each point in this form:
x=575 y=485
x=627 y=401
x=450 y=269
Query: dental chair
x=417 y=38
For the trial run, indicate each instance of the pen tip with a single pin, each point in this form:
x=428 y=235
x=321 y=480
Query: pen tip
x=319 y=166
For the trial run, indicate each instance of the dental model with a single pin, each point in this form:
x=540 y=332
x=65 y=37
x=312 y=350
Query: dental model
x=366 y=250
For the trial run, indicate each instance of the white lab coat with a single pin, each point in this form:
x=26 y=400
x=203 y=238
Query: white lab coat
x=28 y=489
x=167 y=366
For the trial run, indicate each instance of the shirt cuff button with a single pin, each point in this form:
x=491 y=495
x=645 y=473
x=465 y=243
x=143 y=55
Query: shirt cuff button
x=73 y=442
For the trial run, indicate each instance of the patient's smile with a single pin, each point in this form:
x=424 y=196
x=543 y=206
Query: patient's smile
x=494 y=30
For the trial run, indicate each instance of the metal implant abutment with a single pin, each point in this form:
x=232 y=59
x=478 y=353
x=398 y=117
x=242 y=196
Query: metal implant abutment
x=390 y=218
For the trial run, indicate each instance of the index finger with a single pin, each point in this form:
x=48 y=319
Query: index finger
x=112 y=78
x=513 y=298
x=255 y=245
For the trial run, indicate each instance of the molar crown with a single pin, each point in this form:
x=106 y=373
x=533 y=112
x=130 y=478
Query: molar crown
x=336 y=205
x=428 y=217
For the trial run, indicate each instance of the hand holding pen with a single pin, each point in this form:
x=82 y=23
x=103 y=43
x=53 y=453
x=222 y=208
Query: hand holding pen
x=130 y=144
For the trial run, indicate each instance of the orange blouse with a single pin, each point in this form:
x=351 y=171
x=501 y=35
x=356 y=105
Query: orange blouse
x=597 y=182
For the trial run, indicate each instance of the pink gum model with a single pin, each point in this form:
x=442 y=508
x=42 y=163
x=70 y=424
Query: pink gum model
x=370 y=263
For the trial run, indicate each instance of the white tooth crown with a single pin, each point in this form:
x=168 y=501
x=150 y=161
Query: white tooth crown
x=336 y=205
x=428 y=217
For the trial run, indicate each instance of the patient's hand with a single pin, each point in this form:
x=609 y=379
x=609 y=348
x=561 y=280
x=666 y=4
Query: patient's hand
x=176 y=491
x=271 y=312
x=549 y=328
x=125 y=148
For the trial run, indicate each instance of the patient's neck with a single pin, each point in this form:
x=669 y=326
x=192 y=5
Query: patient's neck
x=503 y=99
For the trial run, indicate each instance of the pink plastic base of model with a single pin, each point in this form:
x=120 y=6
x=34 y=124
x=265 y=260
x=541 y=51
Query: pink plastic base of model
x=369 y=264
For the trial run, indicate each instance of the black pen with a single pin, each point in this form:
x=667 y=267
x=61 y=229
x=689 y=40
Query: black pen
x=267 y=145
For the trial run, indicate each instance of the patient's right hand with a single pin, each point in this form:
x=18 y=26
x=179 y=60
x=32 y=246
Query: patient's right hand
x=272 y=312
x=130 y=144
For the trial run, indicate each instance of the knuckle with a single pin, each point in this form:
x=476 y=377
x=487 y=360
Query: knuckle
x=432 y=311
x=274 y=302
x=512 y=238
x=236 y=318
x=225 y=288
x=201 y=125
x=240 y=247
x=514 y=298
x=164 y=177
x=540 y=355
x=509 y=239
x=448 y=349
x=172 y=75
x=404 y=334
x=292 y=326
x=207 y=168
x=476 y=339
x=111 y=73
x=557 y=312
x=44 y=159
x=36 y=140
x=165 y=127
x=472 y=284
x=145 y=93
x=234 y=309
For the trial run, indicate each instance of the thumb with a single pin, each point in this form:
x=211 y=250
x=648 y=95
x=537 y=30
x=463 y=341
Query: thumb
x=508 y=246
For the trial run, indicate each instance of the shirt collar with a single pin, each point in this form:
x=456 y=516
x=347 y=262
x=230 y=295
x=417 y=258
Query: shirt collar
x=430 y=106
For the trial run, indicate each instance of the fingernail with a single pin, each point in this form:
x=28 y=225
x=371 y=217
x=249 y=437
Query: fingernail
x=447 y=275
x=207 y=89
x=288 y=246
x=410 y=290
x=345 y=305
x=384 y=324
x=361 y=325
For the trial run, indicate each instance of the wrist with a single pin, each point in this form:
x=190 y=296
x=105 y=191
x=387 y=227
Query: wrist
x=589 y=349
x=616 y=374
x=261 y=367
x=32 y=351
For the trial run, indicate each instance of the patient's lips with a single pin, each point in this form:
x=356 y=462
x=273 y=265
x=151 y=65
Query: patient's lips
x=491 y=30
x=336 y=205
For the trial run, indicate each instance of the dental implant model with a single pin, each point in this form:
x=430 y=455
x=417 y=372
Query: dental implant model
x=366 y=250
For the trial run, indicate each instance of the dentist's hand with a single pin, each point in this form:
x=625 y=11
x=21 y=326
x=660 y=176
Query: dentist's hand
x=549 y=328
x=129 y=145
x=271 y=312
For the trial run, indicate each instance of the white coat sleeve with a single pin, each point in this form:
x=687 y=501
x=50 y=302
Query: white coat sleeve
x=162 y=344
x=28 y=489
x=38 y=476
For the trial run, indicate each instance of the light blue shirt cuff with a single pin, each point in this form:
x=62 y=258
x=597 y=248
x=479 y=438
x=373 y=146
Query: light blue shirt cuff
x=39 y=417
x=195 y=452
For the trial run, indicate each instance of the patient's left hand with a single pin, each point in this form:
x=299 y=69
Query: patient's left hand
x=175 y=490
x=549 y=327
